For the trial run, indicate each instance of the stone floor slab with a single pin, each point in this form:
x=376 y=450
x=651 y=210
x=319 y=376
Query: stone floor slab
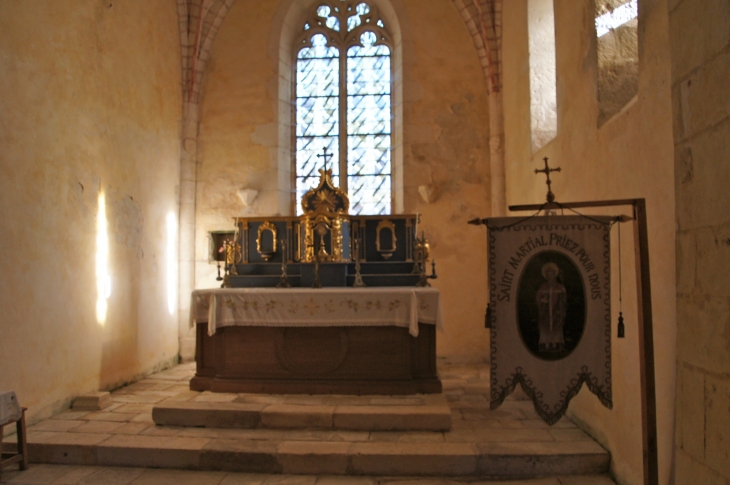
x=109 y=416
x=291 y=480
x=346 y=481
x=178 y=477
x=151 y=451
x=237 y=455
x=392 y=418
x=112 y=476
x=408 y=437
x=450 y=459
x=586 y=480
x=208 y=414
x=314 y=457
x=97 y=427
x=244 y=479
x=297 y=416
x=58 y=425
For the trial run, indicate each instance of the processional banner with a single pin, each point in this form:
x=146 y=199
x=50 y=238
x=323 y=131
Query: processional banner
x=549 y=279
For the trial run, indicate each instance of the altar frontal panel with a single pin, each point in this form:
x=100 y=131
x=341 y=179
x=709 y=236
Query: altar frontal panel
x=550 y=309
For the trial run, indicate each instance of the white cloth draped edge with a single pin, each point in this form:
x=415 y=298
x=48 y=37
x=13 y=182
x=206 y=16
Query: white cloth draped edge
x=327 y=307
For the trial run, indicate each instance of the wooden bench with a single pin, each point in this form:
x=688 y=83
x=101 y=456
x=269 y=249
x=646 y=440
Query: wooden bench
x=21 y=455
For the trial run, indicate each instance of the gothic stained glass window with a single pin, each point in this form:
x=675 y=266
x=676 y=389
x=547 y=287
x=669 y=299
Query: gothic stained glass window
x=343 y=104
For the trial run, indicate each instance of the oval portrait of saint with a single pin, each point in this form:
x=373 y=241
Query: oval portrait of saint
x=551 y=305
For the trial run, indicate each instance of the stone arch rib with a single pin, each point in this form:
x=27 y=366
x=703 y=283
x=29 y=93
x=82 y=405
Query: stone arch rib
x=200 y=21
x=483 y=19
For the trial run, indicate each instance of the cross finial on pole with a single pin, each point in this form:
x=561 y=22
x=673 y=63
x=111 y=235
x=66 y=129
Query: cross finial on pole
x=326 y=156
x=546 y=171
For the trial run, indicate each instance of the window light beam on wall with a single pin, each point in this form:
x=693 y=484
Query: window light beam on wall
x=171 y=262
x=103 y=279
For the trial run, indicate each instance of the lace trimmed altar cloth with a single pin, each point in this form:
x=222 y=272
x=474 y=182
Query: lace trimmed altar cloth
x=10 y=410
x=309 y=307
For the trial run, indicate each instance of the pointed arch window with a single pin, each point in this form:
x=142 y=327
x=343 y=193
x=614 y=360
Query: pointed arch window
x=343 y=103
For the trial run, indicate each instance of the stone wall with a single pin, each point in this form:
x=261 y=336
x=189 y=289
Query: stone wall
x=91 y=104
x=443 y=141
x=630 y=156
x=700 y=46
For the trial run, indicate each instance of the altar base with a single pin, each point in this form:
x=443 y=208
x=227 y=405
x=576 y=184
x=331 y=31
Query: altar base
x=316 y=360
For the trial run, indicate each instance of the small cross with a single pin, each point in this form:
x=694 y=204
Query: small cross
x=546 y=171
x=326 y=157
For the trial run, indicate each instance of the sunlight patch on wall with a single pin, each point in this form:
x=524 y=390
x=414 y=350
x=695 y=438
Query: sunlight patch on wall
x=103 y=279
x=171 y=262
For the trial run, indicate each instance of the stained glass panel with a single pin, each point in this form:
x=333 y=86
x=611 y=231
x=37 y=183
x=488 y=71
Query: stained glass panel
x=370 y=194
x=317 y=112
x=317 y=116
x=368 y=115
x=369 y=127
x=318 y=77
x=368 y=74
x=319 y=49
x=309 y=162
x=368 y=155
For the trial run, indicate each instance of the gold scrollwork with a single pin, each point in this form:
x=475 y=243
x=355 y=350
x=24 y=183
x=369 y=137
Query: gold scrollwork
x=266 y=253
x=385 y=245
x=233 y=255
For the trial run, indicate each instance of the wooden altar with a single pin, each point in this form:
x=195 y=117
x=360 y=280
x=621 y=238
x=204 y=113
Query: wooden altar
x=316 y=360
x=327 y=341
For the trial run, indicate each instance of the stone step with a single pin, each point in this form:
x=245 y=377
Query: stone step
x=434 y=416
x=503 y=460
x=506 y=443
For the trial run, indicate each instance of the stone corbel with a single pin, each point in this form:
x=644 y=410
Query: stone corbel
x=429 y=193
x=247 y=196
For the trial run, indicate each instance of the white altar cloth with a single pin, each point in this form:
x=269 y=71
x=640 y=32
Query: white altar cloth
x=10 y=410
x=309 y=307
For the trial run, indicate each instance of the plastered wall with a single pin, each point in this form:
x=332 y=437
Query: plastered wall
x=91 y=104
x=700 y=46
x=444 y=145
x=629 y=156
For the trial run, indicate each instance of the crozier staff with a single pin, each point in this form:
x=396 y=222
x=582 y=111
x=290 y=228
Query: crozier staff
x=551 y=304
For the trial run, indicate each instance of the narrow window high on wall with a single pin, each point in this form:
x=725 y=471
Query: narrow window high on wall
x=618 y=55
x=343 y=103
x=543 y=97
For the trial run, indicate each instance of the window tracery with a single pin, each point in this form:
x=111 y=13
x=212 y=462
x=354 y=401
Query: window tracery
x=343 y=103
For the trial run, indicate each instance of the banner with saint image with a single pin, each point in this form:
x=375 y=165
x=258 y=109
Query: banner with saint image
x=549 y=280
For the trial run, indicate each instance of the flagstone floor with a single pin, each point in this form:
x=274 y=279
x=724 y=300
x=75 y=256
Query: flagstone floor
x=93 y=475
x=466 y=388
